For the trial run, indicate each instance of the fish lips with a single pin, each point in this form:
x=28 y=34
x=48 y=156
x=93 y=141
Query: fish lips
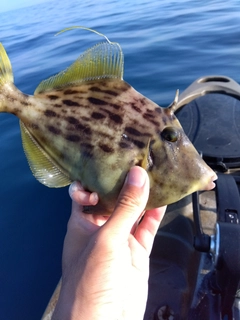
x=210 y=183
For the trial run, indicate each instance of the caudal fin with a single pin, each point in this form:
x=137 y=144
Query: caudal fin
x=6 y=74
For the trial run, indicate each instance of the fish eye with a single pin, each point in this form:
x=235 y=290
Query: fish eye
x=170 y=134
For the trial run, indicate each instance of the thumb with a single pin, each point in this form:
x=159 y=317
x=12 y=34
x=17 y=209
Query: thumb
x=131 y=203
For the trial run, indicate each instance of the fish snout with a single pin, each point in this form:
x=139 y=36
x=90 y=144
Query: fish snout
x=210 y=183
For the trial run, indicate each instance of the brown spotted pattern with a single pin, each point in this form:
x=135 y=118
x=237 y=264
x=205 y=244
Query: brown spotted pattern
x=95 y=131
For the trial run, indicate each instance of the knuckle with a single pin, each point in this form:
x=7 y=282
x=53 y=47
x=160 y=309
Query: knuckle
x=129 y=201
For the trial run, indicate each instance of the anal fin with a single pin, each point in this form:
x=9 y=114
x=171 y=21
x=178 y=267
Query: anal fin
x=43 y=168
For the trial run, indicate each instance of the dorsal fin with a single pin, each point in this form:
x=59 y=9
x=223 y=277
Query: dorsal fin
x=173 y=106
x=103 y=61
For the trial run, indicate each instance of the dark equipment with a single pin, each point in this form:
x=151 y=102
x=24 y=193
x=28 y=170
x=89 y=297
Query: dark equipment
x=195 y=275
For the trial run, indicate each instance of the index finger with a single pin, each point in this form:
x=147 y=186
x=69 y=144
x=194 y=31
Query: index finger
x=148 y=227
x=82 y=197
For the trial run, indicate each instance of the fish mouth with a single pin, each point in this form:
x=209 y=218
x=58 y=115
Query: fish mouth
x=210 y=185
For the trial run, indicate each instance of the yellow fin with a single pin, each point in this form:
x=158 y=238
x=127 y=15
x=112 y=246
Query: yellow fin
x=145 y=164
x=6 y=74
x=43 y=168
x=103 y=61
x=84 y=28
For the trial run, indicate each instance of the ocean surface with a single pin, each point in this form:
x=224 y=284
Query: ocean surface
x=167 y=45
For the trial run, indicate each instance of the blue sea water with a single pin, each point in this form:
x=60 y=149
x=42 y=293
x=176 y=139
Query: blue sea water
x=167 y=45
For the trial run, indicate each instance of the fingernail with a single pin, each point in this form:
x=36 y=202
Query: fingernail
x=93 y=198
x=74 y=186
x=136 y=177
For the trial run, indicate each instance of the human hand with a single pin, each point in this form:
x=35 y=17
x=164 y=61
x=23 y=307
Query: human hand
x=106 y=259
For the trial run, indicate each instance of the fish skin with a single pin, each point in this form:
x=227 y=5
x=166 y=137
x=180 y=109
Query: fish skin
x=96 y=130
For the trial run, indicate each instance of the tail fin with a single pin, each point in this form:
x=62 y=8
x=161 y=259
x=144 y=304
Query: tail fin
x=6 y=74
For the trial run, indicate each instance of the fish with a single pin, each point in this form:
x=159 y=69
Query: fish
x=87 y=124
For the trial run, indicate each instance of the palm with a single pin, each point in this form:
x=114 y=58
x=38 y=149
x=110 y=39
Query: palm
x=106 y=259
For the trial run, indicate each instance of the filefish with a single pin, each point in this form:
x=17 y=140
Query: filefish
x=87 y=124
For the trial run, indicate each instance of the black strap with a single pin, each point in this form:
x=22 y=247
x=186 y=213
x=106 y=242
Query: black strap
x=228 y=199
x=228 y=266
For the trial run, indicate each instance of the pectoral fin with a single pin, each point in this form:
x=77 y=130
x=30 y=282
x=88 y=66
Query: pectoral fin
x=43 y=168
x=147 y=160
